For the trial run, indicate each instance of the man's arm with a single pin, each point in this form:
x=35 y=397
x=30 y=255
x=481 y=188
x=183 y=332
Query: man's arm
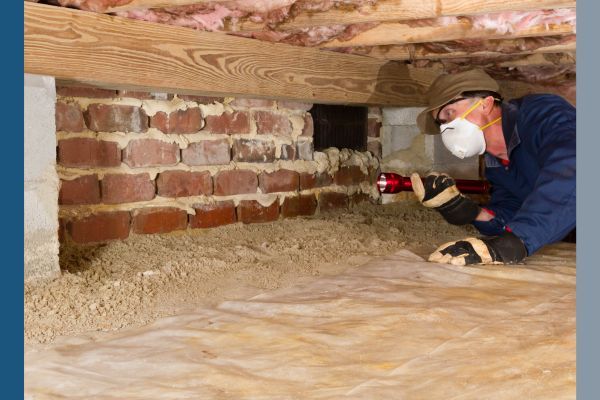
x=548 y=213
x=484 y=215
x=493 y=217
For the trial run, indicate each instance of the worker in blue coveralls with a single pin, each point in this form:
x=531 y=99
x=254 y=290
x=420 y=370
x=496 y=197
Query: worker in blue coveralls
x=529 y=147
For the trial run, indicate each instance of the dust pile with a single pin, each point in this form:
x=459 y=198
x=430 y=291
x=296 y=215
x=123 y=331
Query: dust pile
x=133 y=282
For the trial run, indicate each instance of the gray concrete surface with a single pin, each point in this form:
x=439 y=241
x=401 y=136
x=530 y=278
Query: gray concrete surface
x=41 y=181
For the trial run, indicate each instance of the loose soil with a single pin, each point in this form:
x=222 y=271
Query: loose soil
x=135 y=281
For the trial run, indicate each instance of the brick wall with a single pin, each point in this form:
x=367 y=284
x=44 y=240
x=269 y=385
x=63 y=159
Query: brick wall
x=143 y=163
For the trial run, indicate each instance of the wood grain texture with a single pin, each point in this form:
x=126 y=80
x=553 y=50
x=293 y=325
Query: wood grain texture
x=382 y=11
x=401 y=10
x=398 y=10
x=418 y=52
x=112 y=52
x=394 y=33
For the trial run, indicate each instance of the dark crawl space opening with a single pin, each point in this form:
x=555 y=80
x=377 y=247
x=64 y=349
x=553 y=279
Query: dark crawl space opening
x=344 y=127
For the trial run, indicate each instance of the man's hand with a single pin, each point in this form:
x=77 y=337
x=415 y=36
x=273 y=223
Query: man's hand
x=504 y=249
x=439 y=191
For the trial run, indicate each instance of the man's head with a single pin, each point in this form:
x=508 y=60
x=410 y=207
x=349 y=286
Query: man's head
x=451 y=95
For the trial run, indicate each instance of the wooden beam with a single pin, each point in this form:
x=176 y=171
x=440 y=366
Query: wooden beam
x=420 y=52
x=399 y=10
x=539 y=60
x=391 y=33
x=113 y=52
x=382 y=11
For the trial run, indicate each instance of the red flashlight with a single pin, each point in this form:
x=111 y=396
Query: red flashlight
x=389 y=182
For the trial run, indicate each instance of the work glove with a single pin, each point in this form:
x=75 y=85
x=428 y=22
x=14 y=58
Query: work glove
x=504 y=249
x=439 y=191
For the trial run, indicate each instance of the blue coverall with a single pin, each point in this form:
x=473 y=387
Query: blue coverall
x=534 y=195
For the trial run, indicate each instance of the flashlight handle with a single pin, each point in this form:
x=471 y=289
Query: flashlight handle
x=389 y=182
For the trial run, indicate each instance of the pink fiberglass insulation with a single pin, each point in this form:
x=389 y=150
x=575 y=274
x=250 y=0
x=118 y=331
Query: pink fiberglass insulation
x=211 y=15
x=93 y=5
x=509 y=22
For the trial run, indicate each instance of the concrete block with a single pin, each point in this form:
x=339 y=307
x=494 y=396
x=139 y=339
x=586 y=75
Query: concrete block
x=401 y=115
x=41 y=181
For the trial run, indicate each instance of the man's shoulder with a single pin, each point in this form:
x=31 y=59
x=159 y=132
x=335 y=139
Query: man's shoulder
x=542 y=101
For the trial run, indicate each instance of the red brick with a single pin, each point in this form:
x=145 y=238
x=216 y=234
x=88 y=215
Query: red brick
x=248 y=150
x=271 y=123
x=282 y=180
x=135 y=94
x=350 y=175
x=299 y=205
x=252 y=103
x=184 y=183
x=207 y=152
x=89 y=92
x=201 y=99
x=239 y=181
x=374 y=128
x=332 y=200
x=159 y=220
x=126 y=188
x=115 y=118
x=288 y=152
x=180 y=121
x=294 y=105
x=310 y=181
x=309 y=128
x=212 y=215
x=69 y=118
x=86 y=152
x=374 y=148
x=100 y=227
x=228 y=123
x=82 y=190
x=150 y=152
x=251 y=211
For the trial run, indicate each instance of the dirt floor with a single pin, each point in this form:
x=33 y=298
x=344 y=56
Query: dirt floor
x=133 y=282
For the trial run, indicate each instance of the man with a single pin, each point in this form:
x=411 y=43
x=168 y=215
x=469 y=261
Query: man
x=529 y=146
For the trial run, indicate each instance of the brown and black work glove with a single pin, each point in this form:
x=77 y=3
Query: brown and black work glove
x=439 y=191
x=504 y=249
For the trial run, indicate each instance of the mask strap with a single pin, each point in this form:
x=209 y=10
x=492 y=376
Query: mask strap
x=491 y=123
x=474 y=106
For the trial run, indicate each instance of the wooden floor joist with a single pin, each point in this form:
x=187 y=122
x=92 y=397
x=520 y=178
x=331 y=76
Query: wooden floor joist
x=382 y=11
x=395 y=33
x=113 y=52
x=418 y=52
x=400 y=10
x=540 y=60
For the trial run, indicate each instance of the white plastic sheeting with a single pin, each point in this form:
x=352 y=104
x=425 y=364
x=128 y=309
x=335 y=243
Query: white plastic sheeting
x=394 y=328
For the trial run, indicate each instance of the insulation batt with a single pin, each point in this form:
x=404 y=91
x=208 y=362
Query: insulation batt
x=506 y=22
x=211 y=16
x=509 y=22
x=93 y=5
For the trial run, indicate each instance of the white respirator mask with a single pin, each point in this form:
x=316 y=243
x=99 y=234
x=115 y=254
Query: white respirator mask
x=464 y=138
